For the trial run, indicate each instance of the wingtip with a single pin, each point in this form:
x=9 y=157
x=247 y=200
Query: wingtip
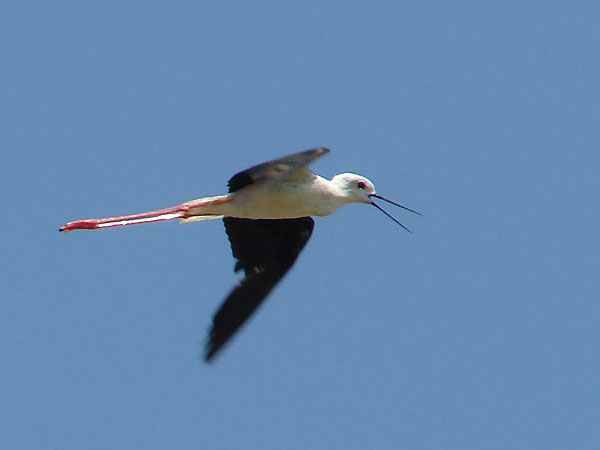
x=315 y=153
x=209 y=353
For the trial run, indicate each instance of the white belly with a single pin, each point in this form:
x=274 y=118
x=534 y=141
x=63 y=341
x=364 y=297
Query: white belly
x=286 y=201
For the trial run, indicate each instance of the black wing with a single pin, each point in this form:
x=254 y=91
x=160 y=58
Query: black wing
x=276 y=168
x=265 y=249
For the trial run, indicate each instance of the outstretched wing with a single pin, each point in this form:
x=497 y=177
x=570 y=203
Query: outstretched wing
x=265 y=250
x=276 y=170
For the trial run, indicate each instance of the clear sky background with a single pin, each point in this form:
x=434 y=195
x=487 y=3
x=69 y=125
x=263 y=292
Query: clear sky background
x=478 y=331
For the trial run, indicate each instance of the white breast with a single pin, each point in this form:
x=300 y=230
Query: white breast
x=287 y=200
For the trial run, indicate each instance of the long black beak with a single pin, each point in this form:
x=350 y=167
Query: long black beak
x=395 y=204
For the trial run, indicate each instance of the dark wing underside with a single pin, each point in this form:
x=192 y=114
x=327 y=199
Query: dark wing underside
x=276 y=169
x=265 y=250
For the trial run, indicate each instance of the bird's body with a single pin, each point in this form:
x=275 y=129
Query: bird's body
x=310 y=196
x=267 y=215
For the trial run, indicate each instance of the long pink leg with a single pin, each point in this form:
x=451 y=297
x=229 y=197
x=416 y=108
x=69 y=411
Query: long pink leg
x=175 y=212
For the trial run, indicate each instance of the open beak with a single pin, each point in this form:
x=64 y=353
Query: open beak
x=395 y=204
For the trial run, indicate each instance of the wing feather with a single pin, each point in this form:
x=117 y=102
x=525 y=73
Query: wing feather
x=265 y=250
x=277 y=169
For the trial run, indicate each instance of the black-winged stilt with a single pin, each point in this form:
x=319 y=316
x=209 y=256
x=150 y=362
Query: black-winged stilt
x=267 y=215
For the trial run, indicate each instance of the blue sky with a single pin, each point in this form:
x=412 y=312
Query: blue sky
x=480 y=330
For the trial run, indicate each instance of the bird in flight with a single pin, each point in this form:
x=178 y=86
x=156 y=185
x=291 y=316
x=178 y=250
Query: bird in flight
x=267 y=215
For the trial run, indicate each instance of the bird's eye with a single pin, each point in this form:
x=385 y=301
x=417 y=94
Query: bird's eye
x=361 y=185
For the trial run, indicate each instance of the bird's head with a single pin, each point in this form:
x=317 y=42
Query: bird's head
x=355 y=188
x=358 y=189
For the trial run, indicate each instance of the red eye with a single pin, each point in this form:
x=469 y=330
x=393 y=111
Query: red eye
x=361 y=184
